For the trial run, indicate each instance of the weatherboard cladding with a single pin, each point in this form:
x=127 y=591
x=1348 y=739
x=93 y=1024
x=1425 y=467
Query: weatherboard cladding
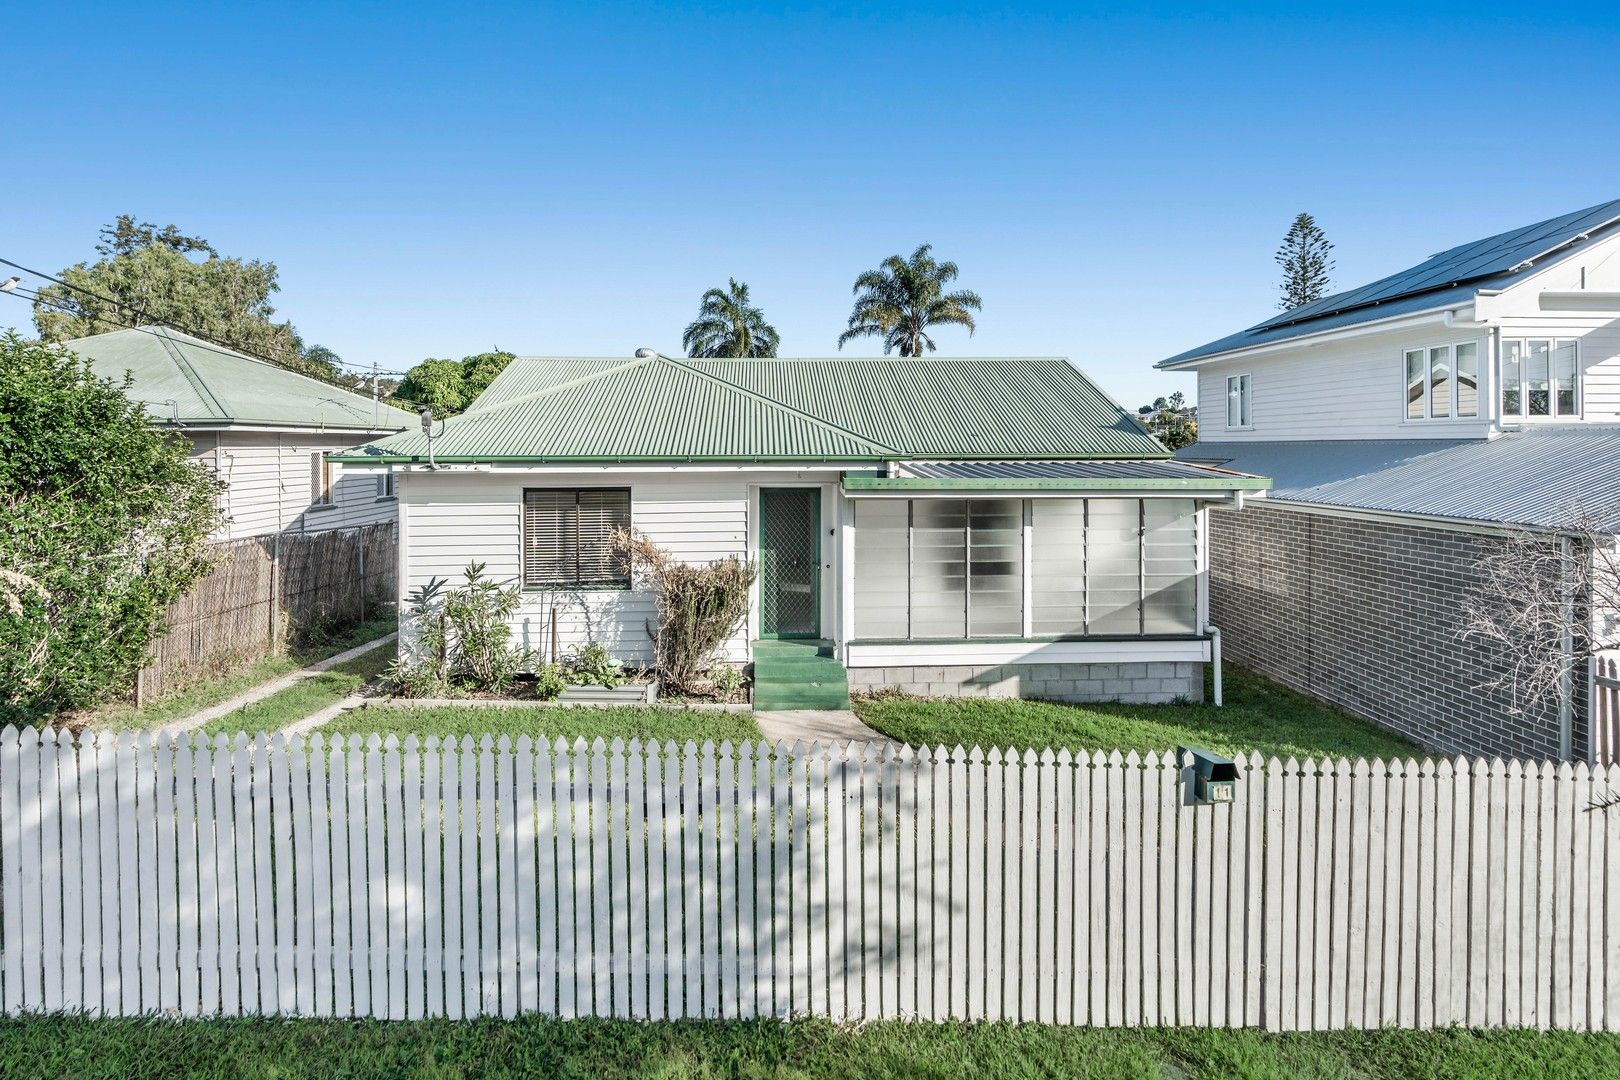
x=781 y=409
x=1543 y=477
x=182 y=377
x=1450 y=278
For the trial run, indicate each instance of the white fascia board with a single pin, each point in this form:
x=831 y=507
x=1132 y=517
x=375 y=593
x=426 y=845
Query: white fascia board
x=1460 y=313
x=941 y=654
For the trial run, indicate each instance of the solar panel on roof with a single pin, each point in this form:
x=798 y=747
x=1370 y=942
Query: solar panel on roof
x=1477 y=259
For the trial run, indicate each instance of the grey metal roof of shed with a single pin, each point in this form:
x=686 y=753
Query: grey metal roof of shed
x=1448 y=279
x=1539 y=476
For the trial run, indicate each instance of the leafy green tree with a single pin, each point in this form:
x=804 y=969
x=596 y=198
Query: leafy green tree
x=729 y=326
x=1305 y=264
x=147 y=275
x=449 y=386
x=901 y=299
x=104 y=523
x=1170 y=421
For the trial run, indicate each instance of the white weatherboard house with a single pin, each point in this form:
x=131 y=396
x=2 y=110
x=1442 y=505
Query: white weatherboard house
x=982 y=526
x=266 y=432
x=1408 y=424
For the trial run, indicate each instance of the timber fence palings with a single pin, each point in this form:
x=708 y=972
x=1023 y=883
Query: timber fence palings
x=263 y=589
x=368 y=877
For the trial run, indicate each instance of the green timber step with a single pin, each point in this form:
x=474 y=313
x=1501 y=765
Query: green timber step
x=798 y=675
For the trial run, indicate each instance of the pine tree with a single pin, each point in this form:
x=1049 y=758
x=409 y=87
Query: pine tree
x=1306 y=266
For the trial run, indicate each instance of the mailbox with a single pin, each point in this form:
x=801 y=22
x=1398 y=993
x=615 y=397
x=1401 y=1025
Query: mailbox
x=1214 y=778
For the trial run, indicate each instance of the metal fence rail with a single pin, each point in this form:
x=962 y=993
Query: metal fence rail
x=373 y=878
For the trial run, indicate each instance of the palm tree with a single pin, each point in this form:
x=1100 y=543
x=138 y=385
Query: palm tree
x=727 y=325
x=900 y=300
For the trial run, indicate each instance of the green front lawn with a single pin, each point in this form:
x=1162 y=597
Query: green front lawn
x=643 y=722
x=533 y=1046
x=1258 y=715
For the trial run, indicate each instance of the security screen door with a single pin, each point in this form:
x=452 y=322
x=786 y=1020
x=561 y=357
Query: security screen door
x=790 y=562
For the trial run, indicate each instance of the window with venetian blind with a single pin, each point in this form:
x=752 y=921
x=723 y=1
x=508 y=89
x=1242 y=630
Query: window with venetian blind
x=568 y=537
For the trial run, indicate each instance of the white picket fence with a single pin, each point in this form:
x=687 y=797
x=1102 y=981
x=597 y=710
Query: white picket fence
x=374 y=879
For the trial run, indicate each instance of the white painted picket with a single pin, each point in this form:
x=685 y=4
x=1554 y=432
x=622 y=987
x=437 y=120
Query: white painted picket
x=366 y=877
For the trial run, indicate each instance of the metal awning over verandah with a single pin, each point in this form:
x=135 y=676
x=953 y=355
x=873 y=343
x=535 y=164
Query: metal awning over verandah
x=1054 y=478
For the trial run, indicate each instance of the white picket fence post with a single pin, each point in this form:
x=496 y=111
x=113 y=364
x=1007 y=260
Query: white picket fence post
x=376 y=878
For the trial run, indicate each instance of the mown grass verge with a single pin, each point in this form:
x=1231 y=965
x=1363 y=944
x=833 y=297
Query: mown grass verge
x=688 y=1050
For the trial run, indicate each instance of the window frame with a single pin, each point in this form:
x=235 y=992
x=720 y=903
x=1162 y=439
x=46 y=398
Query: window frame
x=1426 y=352
x=321 y=493
x=619 y=585
x=387 y=488
x=1245 y=380
x=1553 y=414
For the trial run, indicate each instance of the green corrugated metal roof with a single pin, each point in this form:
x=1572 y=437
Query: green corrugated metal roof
x=658 y=408
x=202 y=384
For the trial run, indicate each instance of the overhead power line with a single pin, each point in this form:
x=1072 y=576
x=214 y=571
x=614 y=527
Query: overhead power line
x=34 y=297
x=118 y=305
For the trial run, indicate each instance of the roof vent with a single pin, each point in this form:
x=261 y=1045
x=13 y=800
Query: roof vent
x=645 y=353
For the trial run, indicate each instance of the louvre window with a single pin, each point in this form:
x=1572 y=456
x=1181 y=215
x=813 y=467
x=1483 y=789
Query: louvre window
x=944 y=569
x=568 y=537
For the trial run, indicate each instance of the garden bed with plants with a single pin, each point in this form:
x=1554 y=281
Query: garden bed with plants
x=461 y=646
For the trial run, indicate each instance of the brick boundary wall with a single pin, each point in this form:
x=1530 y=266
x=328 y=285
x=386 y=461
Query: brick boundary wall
x=1158 y=682
x=1364 y=614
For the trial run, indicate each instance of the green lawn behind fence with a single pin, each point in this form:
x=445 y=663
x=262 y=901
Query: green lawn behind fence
x=1258 y=715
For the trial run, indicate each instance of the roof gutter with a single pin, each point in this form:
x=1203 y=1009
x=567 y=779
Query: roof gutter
x=1447 y=313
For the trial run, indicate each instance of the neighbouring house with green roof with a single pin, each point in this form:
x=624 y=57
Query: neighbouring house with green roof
x=945 y=526
x=266 y=432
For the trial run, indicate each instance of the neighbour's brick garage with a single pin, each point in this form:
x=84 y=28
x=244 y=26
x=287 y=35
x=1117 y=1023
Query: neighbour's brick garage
x=1364 y=614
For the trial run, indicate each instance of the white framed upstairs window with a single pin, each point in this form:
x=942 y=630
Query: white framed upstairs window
x=1239 y=401
x=1442 y=382
x=1540 y=378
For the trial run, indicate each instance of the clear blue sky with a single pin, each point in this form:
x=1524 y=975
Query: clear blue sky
x=436 y=180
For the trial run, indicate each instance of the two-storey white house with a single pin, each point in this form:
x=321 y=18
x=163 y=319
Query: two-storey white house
x=1408 y=424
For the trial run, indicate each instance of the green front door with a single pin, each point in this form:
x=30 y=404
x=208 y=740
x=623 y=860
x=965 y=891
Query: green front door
x=790 y=563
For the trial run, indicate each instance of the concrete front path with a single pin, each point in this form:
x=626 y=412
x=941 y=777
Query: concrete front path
x=264 y=690
x=814 y=725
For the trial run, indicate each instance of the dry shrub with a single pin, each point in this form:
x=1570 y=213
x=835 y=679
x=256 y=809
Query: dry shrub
x=699 y=606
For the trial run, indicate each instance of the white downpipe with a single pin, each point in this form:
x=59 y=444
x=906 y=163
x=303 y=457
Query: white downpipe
x=1215 y=658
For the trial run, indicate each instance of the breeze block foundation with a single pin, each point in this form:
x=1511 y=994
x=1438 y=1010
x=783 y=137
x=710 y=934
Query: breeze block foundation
x=1155 y=683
